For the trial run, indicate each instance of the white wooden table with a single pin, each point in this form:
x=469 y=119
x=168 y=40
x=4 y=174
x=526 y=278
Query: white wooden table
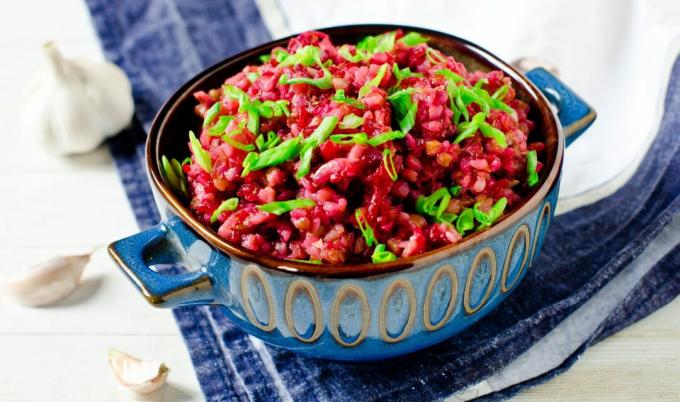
x=55 y=206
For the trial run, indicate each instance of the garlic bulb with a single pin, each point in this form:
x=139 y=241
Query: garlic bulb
x=73 y=105
x=48 y=282
x=141 y=376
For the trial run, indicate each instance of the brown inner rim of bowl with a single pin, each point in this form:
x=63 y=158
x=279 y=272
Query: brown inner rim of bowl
x=177 y=117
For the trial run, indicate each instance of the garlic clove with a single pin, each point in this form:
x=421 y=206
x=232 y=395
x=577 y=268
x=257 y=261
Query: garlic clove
x=48 y=282
x=72 y=105
x=139 y=375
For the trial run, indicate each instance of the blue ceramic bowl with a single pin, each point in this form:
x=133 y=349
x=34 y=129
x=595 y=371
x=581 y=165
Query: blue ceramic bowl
x=359 y=312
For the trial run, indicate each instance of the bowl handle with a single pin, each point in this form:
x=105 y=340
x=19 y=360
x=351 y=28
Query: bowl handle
x=164 y=244
x=574 y=113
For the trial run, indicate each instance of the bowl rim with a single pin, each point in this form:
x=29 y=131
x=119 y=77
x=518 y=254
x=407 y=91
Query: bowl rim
x=365 y=269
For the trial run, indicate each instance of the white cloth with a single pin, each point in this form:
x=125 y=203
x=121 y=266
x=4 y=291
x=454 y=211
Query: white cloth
x=616 y=54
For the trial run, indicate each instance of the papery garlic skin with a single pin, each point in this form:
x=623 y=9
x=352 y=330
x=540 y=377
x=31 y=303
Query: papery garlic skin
x=48 y=282
x=138 y=375
x=72 y=106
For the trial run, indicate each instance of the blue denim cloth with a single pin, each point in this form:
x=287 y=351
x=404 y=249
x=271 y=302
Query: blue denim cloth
x=160 y=44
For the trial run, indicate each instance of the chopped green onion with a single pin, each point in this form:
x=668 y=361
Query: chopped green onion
x=315 y=262
x=378 y=44
x=480 y=83
x=384 y=137
x=455 y=101
x=500 y=92
x=452 y=90
x=465 y=221
x=532 y=161
x=455 y=190
x=340 y=97
x=450 y=75
x=252 y=76
x=201 y=155
x=462 y=107
x=486 y=219
x=413 y=39
x=431 y=53
x=306 y=55
x=251 y=107
x=435 y=204
x=277 y=108
x=247 y=162
x=239 y=128
x=319 y=135
x=385 y=42
x=474 y=95
x=284 y=152
x=239 y=145
x=345 y=139
x=221 y=125
x=498 y=104
x=228 y=205
x=272 y=140
x=443 y=204
x=253 y=119
x=358 y=56
x=175 y=175
x=405 y=108
x=402 y=74
x=375 y=82
x=492 y=132
x=260 y=143
x=234 y=92
x=265 y=109
x=380 y=255
x=186 y=161
x=283 y=105
x=322 y=83
x=482 y=98
x=211 y=113
x=420 y=202
x=351 y=121
x=305 y=163
x=388 y=162
x=265 y=58
x=256 y=108
x=446 y=218
x=468 y=129
x=280 y=54
x=281 y=207
x=365 y=228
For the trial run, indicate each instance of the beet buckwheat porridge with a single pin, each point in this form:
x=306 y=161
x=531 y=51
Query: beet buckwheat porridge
x=344 y=154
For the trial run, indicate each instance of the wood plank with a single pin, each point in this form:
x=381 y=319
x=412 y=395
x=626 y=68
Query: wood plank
x=106 y=303
x=69 y=368
x=641 y=363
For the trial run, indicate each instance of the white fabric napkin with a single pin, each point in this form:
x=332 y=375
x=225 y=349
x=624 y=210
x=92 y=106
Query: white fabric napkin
x=616 y=54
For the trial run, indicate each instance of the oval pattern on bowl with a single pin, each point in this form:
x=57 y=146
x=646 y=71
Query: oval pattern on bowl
x=541 y=229
x=302 y=303
x=440 y=299
x=514 y=263
x=396 y=318
x=257 y=298
x=350 y=316
x=471 y=283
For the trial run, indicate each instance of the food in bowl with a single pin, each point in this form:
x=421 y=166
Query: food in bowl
x=354 y=153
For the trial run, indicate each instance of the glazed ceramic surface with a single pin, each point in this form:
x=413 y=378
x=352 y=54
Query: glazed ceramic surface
x=356 y=313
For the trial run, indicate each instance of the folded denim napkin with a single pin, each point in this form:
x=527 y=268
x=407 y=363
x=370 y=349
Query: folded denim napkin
x=602 y=267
